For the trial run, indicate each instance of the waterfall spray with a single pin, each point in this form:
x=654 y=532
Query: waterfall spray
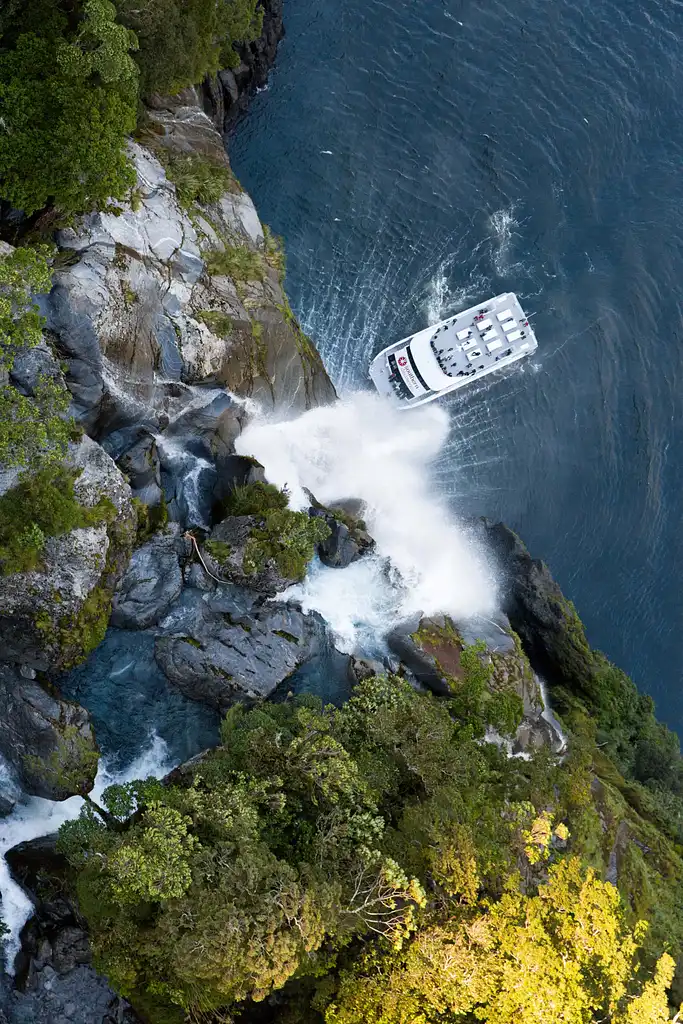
x=362 y=447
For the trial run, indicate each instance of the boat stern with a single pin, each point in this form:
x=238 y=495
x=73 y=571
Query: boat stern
x=380 y=375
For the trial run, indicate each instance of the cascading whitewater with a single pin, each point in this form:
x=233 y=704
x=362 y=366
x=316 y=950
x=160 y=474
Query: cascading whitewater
x=362 y=447
x=38 y=817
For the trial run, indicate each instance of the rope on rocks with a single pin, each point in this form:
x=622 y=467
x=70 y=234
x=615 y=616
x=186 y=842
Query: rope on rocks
x=191 y=537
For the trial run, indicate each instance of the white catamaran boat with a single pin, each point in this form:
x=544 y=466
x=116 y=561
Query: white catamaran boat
x=455 y=352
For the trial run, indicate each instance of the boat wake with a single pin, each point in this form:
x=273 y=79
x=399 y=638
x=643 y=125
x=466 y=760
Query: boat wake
x=502 y=224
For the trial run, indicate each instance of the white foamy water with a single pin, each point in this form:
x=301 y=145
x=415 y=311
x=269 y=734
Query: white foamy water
x=38 y=817
x=360 y=603
x=363 y=447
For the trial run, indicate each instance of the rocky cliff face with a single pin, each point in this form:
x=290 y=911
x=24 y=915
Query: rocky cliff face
x=226 y=95
x=170 y=315
x=431 y=649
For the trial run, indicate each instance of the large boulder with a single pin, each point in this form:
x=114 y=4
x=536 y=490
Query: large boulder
x=151 y=583
x=224 y=555
x=52 y=616
x=217 y=653
x=35 y=725
x=431 y=650
x=348 y=539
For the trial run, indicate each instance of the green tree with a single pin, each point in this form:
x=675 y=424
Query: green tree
x=565 y=954
x=183 y=40
x=67 y=103
x=376 y=862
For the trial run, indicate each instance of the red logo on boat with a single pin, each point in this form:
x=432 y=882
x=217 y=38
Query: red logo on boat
x=402 y=361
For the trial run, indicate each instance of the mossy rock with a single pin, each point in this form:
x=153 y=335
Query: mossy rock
x=55 y=612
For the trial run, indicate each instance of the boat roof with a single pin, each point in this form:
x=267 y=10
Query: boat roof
x=468 y=342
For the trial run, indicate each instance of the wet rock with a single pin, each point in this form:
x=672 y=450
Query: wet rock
x=51 y=616
x=188 y=478
x=421 y=662
x=226 y=95
x=236 y=471
x=141 y=465
x=550 y=631
x=348 y=540
x=7 y=805
x=533 y=734
x=33 y=723
x=216 y=660
x=151 y=583
x=55 y=983
x=364 y=668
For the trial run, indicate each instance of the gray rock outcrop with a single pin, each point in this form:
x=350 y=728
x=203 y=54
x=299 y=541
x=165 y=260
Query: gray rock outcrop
x=231 y=537
x=551 y=633
x=431 y=648
x=151 y=583
x=226 y=94
x=35 y=724
x=348 y=539
x=216 y=652
x=50 y=617
x=143 y=314
x=55 y=981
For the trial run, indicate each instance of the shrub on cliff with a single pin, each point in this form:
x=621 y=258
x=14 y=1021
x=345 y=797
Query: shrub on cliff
x=32 y=427
x=42 y=505
x=68 y=95
x=279 y=535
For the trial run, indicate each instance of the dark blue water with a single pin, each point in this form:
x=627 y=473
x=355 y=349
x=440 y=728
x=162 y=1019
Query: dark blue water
x=418 y=156
x=130 y=700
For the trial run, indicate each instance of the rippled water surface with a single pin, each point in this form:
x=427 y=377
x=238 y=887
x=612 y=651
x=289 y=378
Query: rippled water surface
x=419 y=155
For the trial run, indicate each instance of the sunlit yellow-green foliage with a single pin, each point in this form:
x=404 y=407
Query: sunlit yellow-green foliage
x=564 y=955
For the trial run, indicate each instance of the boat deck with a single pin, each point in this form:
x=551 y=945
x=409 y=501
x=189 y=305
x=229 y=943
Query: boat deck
x=457 y=351
x=480 y=337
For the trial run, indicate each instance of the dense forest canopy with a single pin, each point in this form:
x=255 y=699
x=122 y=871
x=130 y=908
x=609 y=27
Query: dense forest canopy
x=378 y=863
x=72 y=77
